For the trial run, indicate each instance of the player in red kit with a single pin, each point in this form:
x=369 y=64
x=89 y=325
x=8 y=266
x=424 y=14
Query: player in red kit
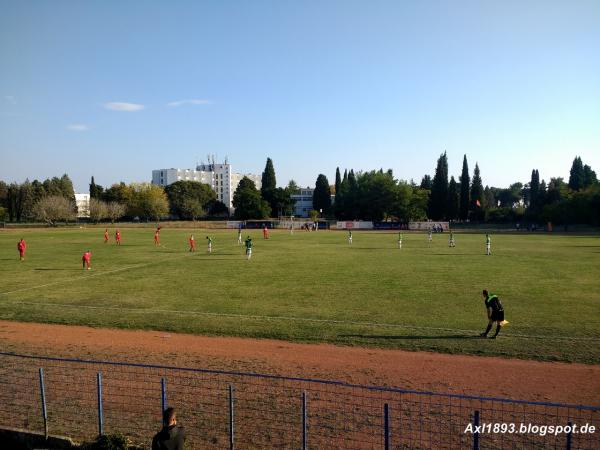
x=86 y=260
x=192 y=243
x=118 y=237
x=265 y=232
x=106 y=236
x=22 y=246
x=156 y=238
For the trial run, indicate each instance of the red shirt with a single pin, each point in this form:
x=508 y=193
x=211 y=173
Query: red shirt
x=118 y=236
x=21 y=246
x=86 y=256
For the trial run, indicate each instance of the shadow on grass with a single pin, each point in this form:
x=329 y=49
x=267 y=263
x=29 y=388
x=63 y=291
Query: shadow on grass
x=408 y=337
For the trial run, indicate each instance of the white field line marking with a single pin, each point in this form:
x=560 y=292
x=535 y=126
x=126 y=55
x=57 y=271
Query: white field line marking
x=290 y=318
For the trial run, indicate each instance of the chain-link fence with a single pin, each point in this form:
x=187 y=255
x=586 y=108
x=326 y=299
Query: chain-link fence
x=224 y=409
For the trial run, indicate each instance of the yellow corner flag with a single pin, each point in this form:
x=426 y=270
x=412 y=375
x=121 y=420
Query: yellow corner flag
x=504 y=322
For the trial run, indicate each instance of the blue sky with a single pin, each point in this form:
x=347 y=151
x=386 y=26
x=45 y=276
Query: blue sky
x=118 y=88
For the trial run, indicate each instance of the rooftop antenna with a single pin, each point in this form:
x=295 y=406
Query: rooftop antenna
x=226 y=160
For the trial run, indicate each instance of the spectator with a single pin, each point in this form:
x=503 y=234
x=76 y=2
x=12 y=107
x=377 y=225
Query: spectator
x=172 y=436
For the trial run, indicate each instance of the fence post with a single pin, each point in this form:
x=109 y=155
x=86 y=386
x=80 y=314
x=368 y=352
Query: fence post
x=570 y=435
x=44 y=410
x=386 y=426
x=304 y=422
x=163 y=395
x=231 y=425
x=476 y=433
x=100 y=410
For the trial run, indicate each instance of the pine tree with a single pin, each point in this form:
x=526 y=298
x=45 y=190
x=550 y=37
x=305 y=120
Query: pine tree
x=576 y=178
x=477 y=195
x=439 y=190
x=465 y=185
x=338 y=182
x=268 y=185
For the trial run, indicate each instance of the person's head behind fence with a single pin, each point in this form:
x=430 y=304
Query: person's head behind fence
x=169 y=417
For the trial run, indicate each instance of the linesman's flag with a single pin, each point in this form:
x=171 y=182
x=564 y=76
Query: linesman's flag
x=478 y=203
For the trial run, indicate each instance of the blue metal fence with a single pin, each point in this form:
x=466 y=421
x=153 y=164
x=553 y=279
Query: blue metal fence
x=225 y=409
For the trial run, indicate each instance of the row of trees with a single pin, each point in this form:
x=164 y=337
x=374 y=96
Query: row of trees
x=575 y=201
x=452 y=200
x=187 y=200
x=557 y=201
x=24 y=201
x=374 y=195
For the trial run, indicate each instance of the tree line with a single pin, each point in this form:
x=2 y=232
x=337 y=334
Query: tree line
x=42 y=200
x=373 y=195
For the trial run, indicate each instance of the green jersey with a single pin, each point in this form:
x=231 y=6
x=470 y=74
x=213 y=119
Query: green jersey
x=209 y=240
x=248 y=244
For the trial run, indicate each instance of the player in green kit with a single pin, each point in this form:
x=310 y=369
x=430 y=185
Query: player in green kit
x=248 y=248
x=488 y=245
x=430 y=236
x=399 y=240
x=451 y=242
x=209 y=242
x=350 y=237
x=240 y=236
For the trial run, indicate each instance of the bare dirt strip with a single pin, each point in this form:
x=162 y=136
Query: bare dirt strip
x=461 y=374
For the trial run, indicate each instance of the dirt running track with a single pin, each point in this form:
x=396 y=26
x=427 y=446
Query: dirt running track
x=488 y=376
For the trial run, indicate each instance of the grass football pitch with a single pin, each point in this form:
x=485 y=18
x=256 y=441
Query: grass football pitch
x=314 y=287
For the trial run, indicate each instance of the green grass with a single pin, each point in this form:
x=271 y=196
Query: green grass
x=313 y=287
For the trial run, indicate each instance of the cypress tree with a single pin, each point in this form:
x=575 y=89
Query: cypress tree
x=439 y=190
x=95 y=189
x=352 y=196
x=465 y=182
x=268 y=185
x=426 y=182
x=576 y=178
x=477 y=195
x=453 y=204
x=589 y=177
x=322 y=194
x=534 y=189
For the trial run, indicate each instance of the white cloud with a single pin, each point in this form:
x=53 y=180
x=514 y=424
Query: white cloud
x=77 y=127
x=122 y=106
x=191 y=101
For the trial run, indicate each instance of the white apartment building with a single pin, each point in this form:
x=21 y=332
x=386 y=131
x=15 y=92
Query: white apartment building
x=219 y=177
x=82 y=202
